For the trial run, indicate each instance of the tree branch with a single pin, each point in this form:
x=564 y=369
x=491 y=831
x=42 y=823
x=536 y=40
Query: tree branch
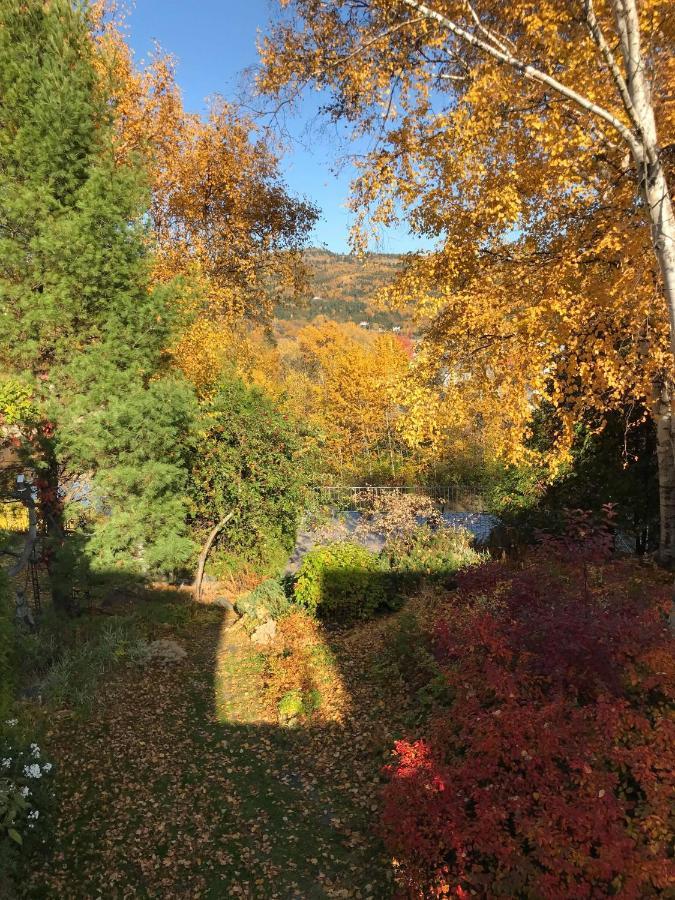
x=197 y=587
x=611 y=63
x=531 y=72
x=490 y=35
x=378 y=37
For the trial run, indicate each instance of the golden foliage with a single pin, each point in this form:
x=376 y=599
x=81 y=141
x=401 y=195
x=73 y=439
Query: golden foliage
x=345 y=379
x=222 y=220
x=543 y=285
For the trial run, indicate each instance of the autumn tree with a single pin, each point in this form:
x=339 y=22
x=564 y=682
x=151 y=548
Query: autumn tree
x=534 y=143
x=347 y=382
x=224 y=228
x=221 y=213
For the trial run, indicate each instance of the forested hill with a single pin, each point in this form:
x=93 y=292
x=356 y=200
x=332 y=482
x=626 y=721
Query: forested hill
x=343 y=288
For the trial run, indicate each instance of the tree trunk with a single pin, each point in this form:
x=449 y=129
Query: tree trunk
x=60 y=564
x=24 y=493
x=653 y=185
x=203 y=556
x=662 y=220
x=664 y=418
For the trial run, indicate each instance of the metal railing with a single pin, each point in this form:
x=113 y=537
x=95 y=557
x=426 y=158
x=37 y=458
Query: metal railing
x=449 y=496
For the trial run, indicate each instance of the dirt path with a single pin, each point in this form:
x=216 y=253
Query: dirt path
x=180 y=784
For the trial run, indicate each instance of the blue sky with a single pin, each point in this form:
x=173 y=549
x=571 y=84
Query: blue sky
x=213 y=42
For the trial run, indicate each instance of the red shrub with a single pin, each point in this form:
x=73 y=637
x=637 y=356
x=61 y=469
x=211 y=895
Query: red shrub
x=552 y=774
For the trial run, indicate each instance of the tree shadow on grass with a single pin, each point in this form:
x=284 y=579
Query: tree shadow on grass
x=181 y=782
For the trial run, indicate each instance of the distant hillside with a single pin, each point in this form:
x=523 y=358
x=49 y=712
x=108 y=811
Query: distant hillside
x=343 y=288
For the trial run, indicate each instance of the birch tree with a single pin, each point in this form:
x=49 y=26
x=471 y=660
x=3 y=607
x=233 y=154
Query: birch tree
x=534 y=142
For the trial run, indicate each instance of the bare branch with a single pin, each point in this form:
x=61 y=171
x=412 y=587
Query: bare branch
x=490 y=35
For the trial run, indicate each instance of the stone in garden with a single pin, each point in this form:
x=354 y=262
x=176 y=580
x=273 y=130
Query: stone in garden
x=165 y=650
x=265 y=634
x=224 y=603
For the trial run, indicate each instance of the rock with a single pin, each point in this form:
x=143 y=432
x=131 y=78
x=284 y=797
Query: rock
x=165 y=650
x=224 y=603
x=265 y=634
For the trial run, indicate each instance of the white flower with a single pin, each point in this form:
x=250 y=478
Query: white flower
x=11 y=722
x=25 y=791
x=34 y=814
x=32 y=771
x=35 y=750
x=6 y=763
x=46 y=767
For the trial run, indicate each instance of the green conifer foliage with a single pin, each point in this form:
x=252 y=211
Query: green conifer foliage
x=78 y=321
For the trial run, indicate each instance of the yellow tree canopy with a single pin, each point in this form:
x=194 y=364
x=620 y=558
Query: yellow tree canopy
x=221 y=215
x=544 y=283
x=345 y=382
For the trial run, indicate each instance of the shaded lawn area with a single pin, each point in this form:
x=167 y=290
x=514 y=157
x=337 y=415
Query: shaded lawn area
x=180 y=781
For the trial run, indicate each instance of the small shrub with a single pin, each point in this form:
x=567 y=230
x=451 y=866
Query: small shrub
x=549 y=776
x=75 y=675
x=430 y=552
x=298 y=704
x=24 y=794
x=341 y=581
x=291 y=706
x=266 y=601
x=397 y=515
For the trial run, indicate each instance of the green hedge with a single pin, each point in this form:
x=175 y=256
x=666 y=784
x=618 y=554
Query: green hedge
x=342 y=581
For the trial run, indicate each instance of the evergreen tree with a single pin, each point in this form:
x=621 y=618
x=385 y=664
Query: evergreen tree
x=79 y=322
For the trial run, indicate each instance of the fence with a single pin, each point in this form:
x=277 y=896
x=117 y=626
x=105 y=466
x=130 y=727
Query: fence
x=451 y=497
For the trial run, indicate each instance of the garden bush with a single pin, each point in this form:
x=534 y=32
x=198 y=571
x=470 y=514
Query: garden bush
x=430 y=552
x=266 y=601
x=342 y=581
x=550 y=775
x=247 y=461
x=25 y=797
